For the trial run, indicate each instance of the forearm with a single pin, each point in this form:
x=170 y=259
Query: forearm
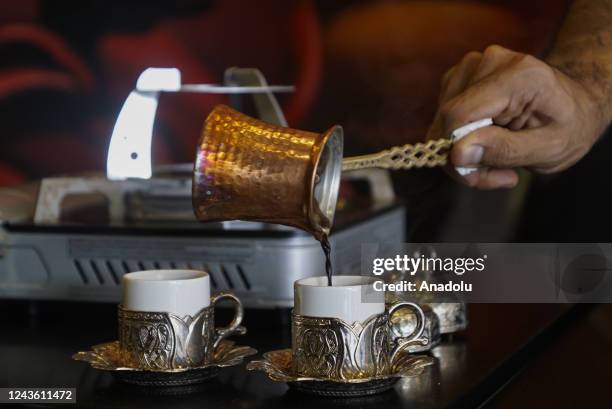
x=583 y=51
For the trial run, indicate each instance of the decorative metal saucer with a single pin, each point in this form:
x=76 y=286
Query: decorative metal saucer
x=107 y=357
x=279 y=367
x=344 y=390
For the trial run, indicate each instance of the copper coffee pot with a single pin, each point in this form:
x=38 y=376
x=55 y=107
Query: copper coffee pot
x=247 y=169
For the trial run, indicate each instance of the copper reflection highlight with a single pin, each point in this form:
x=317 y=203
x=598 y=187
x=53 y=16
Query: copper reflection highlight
x=247 y=169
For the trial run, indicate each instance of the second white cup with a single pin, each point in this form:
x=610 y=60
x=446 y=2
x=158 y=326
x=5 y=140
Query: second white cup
x=343 y=331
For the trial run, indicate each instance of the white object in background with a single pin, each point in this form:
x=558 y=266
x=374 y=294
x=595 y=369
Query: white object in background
x=180 y=292
x=459 y=133
x=159 y=79
x=129 y=153
x=350 y=298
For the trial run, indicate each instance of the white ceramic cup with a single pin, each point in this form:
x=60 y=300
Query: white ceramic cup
x=342 y=332
x=350 y=298
x=166 y=320
x=180 y=292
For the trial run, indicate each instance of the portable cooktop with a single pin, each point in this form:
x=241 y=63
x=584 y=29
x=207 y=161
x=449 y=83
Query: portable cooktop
x=81 y=259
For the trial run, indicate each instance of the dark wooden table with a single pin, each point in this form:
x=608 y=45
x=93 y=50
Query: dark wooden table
x=511 y=356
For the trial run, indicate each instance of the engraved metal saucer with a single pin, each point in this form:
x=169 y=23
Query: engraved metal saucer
x=107 y=357
x=279 y=367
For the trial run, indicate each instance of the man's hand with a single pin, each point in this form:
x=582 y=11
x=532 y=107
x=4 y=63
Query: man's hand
x=544 y=120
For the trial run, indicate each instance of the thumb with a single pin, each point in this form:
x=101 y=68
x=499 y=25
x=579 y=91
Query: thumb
x=499 y=147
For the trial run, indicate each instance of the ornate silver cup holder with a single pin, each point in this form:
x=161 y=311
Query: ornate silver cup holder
x=108 y=357
x=278 y=365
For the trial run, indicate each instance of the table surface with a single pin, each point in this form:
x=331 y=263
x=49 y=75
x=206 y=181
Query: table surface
x=508 y=356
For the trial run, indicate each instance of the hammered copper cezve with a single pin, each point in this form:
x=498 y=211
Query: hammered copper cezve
x=246 y=169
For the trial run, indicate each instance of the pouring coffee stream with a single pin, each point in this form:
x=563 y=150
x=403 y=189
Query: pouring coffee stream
x=329 y=269
x=247 y=169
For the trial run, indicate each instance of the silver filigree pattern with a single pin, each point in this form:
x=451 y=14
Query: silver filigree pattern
x=330 y=348
x=160 y=340
x=156 y=341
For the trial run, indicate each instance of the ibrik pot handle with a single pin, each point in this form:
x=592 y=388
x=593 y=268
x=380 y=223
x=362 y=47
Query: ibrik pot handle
x=234 y=327
x=428 y=154
x=416 y=337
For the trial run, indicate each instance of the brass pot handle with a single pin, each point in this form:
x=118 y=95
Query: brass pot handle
x=423 y=154
x=428 y=154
